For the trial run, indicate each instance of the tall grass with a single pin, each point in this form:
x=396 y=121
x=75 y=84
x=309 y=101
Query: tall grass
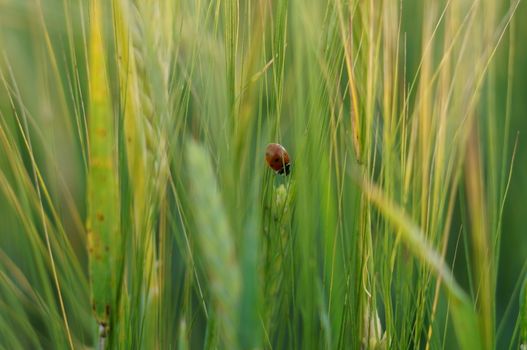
x=137 y=211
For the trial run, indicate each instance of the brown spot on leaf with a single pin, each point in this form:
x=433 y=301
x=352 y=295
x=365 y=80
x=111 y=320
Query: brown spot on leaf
x=101 y=132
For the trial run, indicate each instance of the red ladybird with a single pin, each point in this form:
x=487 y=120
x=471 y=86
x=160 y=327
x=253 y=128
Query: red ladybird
x=277 y=158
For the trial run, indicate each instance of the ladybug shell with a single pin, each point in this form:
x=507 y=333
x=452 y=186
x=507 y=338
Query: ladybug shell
x=277 y=158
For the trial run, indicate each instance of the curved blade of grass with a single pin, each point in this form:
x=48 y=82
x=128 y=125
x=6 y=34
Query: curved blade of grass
x=463 y=313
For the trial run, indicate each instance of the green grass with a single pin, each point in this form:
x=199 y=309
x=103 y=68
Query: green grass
x=137 y=210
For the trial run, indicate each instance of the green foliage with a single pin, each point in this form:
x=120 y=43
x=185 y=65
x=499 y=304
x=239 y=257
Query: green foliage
x=134 y=192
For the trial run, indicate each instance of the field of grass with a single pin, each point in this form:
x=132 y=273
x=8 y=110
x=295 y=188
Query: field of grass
x=137 y=211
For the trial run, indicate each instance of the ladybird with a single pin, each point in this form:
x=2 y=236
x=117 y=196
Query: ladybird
x=277 y=158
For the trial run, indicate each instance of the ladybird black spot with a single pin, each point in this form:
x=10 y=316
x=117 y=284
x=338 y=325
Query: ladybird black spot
x=107 y=309
x=285 y=169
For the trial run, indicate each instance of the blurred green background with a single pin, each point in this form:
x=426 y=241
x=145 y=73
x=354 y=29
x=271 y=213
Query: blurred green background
x=25 y=46
x=514 y=248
